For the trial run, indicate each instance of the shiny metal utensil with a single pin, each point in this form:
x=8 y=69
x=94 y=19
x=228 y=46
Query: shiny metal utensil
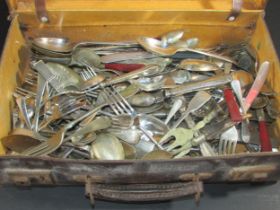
x=107 y=147
x=53 y=44
x=144 y=99
x=178 y=103
x=185 y=148
x=149 y=84
x=20 y=140
x=42 y=84
x=60 y=110
x=23 y=110
x=85 y=57
x=198 y=65
x=149 y=110
x=206 y=149
x=154 y=45
x=152 y=124
x=146 y=71
x=117 y=102
x=122 y=56
x=245 y=132
x=228 y=141
x=171 y=38
x=48 y=146
x=236 y=86
x=59 y=77
x=182 y=137
x=129 y=150
x=97 y=124
x=197 y=102
x=189 y=87
x=130 y=135
x=123 y=121
x=63 y=45
x=157 y=155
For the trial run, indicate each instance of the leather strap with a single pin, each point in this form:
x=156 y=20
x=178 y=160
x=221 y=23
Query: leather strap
x=40 y=6
x=236 y=10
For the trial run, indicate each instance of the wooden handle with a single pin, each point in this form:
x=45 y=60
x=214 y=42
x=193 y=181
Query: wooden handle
x=123 y=66
x=232 y=106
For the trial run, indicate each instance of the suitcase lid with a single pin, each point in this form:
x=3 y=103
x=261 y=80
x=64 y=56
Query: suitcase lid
x=48 y=10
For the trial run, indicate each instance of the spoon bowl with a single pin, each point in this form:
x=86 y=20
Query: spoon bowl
x=55 y=44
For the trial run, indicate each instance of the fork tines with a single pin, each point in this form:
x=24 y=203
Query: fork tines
x=88 y=73
x=117 y=102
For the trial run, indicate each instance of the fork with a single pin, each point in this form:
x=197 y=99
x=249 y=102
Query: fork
x=24 y=92
x=123 y=121
x=62 y=110
x=117 y=102
x=87 y=73
x=48 y=146
x=228 y=141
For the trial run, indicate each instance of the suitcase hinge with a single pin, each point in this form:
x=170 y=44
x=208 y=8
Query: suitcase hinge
x=236 y=10
x=40 y=6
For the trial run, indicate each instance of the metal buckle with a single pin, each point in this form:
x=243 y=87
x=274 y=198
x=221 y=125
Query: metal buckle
x=236 y=10
x=40 y=6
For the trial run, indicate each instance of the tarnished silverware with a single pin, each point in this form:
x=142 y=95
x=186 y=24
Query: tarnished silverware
x=107 y=147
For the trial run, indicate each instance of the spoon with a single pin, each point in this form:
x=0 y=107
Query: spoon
x=149 y=84
x=171 y=38
x=107 y=147
x=20 y=140
x=198 y=65
x=196 y=103
x=129 y=151
x=177 y=104
x=131 y=136
x=144 y=99
x=63 y=45
x=157 y=155
x=154 y=45
x=152 y=124
x=97 y=124
x=59 y=76
x=85 y=57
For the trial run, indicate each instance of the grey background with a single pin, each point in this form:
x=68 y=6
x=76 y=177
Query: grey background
x=216 y=196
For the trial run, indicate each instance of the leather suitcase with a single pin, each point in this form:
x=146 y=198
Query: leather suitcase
x=213 y=21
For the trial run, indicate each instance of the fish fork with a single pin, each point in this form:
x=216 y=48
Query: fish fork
x=182 y=143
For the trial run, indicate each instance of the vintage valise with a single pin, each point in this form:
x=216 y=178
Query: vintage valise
x=213 y=21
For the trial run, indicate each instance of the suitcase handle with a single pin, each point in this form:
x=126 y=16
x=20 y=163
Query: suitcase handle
x=142 y=192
